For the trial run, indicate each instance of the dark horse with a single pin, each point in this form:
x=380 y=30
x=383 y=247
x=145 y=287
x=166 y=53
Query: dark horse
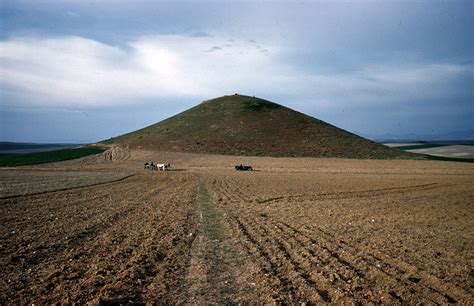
x=150 y=166
x=243 y=168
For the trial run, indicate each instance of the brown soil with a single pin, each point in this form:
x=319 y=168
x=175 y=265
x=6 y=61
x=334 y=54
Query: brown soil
x=297 y=230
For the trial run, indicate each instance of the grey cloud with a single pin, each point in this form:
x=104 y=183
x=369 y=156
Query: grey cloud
x=214 y=48
x=200 y=34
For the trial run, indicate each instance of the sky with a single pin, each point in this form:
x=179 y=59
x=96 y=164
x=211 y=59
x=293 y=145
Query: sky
x=84 y=71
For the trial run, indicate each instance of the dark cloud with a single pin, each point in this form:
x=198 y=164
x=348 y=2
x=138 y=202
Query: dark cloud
x=214 y=48
x=200 y=34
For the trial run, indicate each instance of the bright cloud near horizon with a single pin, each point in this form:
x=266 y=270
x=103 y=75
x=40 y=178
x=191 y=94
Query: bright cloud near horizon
x=76 y=72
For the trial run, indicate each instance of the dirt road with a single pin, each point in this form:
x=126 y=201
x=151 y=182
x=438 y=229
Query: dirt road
x=297 y=230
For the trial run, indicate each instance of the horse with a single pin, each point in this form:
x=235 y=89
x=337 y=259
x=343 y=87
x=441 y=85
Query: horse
x=163 y=167
x=150 y=166
x=243 y=168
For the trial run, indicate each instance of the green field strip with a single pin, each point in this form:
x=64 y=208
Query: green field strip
x=14 y=160
x=421 y=146
x=452 y=159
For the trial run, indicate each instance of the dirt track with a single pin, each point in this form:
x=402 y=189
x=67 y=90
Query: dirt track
x=298 y=230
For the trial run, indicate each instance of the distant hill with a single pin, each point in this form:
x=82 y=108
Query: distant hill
x=244 y=125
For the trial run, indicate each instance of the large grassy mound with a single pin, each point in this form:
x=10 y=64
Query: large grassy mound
x=246 y=125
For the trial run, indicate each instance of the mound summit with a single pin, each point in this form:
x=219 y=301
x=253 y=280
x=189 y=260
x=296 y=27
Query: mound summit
x=243 y=125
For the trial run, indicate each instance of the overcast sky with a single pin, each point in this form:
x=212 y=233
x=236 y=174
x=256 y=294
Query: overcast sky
x=84 y=71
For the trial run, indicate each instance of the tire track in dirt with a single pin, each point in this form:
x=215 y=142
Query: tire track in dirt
x=324 y=267
x=63 y=204
x=425 y=287
x=41 y=220
x=351 y=194
x=158 y=257
x=68 y=188
x=338 y=274
x=78 y=194
x=411 y=273
x=358 y=282
x=268 y=267
x=99 y=259
x=227 y=191
x=235 y=191
x=294 y=284
x=358 y=277
x=180 y=246
x=38 y=257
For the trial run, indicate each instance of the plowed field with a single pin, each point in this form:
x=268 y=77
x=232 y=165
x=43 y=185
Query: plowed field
x=296 y=230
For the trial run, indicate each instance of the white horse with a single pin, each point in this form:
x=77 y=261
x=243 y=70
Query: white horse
x=163 y=167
